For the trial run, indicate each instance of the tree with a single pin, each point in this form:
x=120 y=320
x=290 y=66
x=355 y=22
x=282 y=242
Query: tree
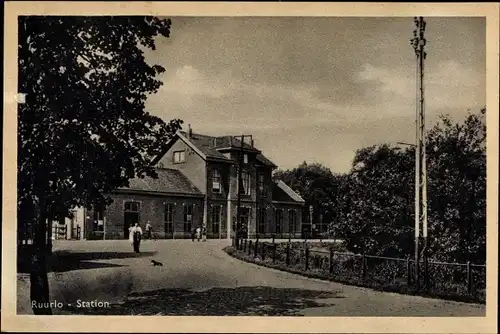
x=83 y=130
x=318 y=187
x=376 y=204
x=377 y=197
x=457 y=189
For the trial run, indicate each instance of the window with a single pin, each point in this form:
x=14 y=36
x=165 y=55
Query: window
x=216 y=218
x=245 y=158
x=262 y=189
x=188 y=217
x=261 y=223
x=169 y=218
x=278 y=220
x=98 y=219
x=292 y=221
x=245 y=183
x=216 y=181
x=132 y=206
x=179 y=157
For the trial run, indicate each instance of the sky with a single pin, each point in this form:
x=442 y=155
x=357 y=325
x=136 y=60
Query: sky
x=316 y=89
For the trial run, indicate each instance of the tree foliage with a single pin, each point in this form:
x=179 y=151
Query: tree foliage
x=457 y=188
x=83 y=130
x=376 y=211
x=317 y=185
x=373 y=205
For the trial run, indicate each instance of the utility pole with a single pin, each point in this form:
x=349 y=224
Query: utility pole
x=238 y=204
x=418 y=42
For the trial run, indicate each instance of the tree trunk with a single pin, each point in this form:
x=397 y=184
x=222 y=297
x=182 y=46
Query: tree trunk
x=39 y=289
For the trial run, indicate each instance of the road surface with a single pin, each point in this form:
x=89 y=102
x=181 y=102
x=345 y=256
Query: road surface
x=199 y=278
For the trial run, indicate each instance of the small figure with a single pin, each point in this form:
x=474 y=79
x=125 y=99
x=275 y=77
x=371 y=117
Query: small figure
x=137 y=236
x=198 y=233
x=204 y=233
x=149 y=230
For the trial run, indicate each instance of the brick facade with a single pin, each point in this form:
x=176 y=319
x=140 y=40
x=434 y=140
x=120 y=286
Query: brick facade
x=213 y=173
x=152 y=209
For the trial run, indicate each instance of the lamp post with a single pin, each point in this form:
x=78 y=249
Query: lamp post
x=311 y=217
x=290 y=226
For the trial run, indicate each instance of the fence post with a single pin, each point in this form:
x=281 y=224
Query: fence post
x=256 y=247
x=469 y=278
x=274 y=252
x=263 y=250
x=249 y=247
x=331 y=262
x=307 y=258
x=245 y=246
x=408 y=271
x=426 y=277
x=363 y=264
x=273 y=238
x=288 y=254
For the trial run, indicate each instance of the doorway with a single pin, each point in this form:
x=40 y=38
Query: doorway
x=130 y=219
x=244 y=216
x=130 y=216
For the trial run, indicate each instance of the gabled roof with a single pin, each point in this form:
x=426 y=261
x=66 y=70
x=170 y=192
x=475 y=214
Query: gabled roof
x=169 y=181
x=211 y=147
x=283 y=193
x=265 y=161
x=205 y=144
x=229 y=142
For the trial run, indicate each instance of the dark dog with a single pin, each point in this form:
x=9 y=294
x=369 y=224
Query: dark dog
x=156 y=263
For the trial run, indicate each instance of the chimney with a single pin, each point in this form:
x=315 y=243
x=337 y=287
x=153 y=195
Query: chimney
x=251 y=142
x=190 y=131
x=215 y=141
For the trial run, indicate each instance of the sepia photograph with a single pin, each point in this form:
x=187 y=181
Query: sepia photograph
x=294 y=166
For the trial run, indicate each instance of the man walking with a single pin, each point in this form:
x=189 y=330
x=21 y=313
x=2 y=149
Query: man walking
x=137 y=236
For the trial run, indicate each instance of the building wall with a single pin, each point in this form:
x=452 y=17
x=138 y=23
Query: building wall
x=76 y=222
x=211 y=232
x=67 y=228
x=152 y=209
x=253 y=200
x=218 y=199
x=194 y=168
x=270 y=222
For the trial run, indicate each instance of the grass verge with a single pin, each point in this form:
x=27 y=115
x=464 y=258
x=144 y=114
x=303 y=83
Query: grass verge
x=349 y=279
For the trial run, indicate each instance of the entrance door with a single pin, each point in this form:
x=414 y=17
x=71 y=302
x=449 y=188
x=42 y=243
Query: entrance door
x=244 y=222
x=130 y=219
